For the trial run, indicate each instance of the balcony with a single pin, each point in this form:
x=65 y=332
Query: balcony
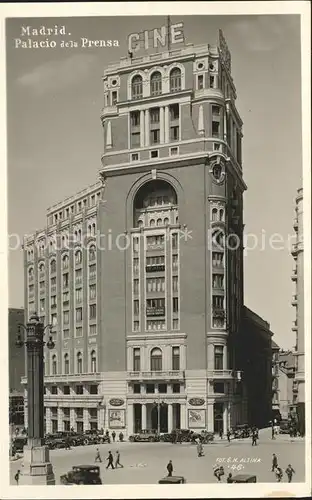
x=220 y=374
x=294 y=276
x=95 y=398
x=295 y=226
x=156 y=246
x=155 y=268
x=158 y=375
x=155 y=311
x=294 y=249
x=218 y=312
x=294 y=301
x=67 y=379
x=294 y=327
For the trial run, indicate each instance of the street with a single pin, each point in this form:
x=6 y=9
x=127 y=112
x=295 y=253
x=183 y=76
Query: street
x=146 y=463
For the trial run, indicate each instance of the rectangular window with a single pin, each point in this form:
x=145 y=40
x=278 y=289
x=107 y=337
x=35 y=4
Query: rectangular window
x=42 y=285
x=200 y=82
x=212 y=82
x=92 y=311
x=54 y=389
x=135 y=265
x=155 y=136
x=79 y=314
x=79 y=331
x=114 y=97
x=150 y=388
x=157 y=241
x=65 y=297
x=135 y=139
x=174 y=239
x=54 y=319
x=92 y=330
x=135 y=157
x=154 y=115
x=218 y=357
x=79 y=295
x=218 y=302
x=136 y=326
x=135 y=118
x=216 y=110
x=175 y=283
x=135 y=286
x=65 y=280
x=92 y=292
x=78 y=276
x=53 y=301
x=215 y=128
x=93 y=389
x=174 y=151
x=176 y=388
x=154 y=153
x=156 y=325
x=174 y=133
x=175 y=324
x=218 y=388
x=135 y=244
x=175 y=263
x=176 y=358
x=42 y=305
x=162 y=388
x=175 y=304
x=136 y=389
x=217 y=259
x=217 y=281
x=66 y=389
x=92 y=271
x=174 y=111
x=66 y=334
x=136 y=359
x=79 y=390
x=136 y=307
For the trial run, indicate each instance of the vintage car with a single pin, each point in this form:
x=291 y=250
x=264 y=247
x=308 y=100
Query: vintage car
x=178 y=435
x=244 y=478
x=82 y=474
x=241 y=431
x=172 y=480
x=145 y=435
x=94 y=437
x=54 y=441
x=18 y=444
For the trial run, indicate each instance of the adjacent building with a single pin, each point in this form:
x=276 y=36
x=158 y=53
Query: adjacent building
x=283 y=383
x=16 y=368
x=141 y=274
x=298 y=303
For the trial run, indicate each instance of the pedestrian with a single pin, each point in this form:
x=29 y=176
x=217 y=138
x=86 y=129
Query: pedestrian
x=170 y=468
x=221 y=433
x=72 y=429
x=114 y=436
x=218 y=472
x=117 y=462
x=200 y=450
x=17 y=476
x=274 y=462
x=254 y=438
x=278 y=474
x=289 y=472
x=110 y=460
x=273 y=432
x=229 y=478
x=67 y=444
x=121 y=436
x=228 y=435
x=98 y=456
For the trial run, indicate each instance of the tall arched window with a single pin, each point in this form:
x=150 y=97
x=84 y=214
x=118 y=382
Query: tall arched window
x=79 y=362
x=92 y=253
x=30 y=273
x=156 y=360
x=65 y=262
x=66 y=364
x=78 y=257
x=221 y=214
x=137 y=87
x=54 y=365
x=156 y=83
x=41 y=268
x=159 y=222
x=175 y=79
x=53 y=266
x=93 y=362
x=214 y=214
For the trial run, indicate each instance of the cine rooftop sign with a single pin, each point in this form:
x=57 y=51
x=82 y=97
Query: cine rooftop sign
x=156 y=38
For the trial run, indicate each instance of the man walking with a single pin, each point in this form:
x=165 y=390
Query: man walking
x=274 y=462
x=289 y=472
x=170 y=468
x=110 y=460
x=16 y=477
x=279 y=474
x=117 y=462
x=221 y=433
x=98 y=456
x=273 y=431
x=254 y=437
x=114 y=436
x=228 y=434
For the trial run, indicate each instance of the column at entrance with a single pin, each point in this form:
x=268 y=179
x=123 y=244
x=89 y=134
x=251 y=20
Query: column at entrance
x=183 y=417
x=143 y=416
x=210 y=426
x=170 y=417
x=225 y=418
x=130 y=419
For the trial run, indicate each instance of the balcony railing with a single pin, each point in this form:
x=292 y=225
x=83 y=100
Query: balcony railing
x=73 y=397
x=155 y=311
x=155 y=268
x=157 y=375
x=218 y=312
x=71 y=378
x=220 y=374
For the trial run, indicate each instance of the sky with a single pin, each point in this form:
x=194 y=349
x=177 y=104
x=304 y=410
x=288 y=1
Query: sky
x=54 y=100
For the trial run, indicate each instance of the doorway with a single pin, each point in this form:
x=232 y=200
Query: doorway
x=163 y=417
x=218 y=417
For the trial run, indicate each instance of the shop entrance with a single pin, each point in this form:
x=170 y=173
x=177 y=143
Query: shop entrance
x=218 y=417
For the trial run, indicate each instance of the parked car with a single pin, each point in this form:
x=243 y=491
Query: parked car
x=241 y=431
x=54 y=441
x=284 y=427
x=18 y=444
x=172 y=480
x=82 y=474
x=244 y=478
x=145 y=435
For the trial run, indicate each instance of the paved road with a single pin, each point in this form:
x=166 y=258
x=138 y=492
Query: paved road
x=145 y=463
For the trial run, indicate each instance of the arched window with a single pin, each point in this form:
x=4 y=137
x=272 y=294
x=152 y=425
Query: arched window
x=214 y=214
x=31 y=273
x=152 y=222
x=93 y=230
x=79 y=362
x=221 y=215
x=92 y=253
x=156 y=360
x=159 y=222
x=78 y=257
x=54 y=365
x=175 y=79
x=93 y=362
x=66 y=364
x=156 y=83
x=53 y=266
x=166 y=221
x=65 y=262
x=137 y=87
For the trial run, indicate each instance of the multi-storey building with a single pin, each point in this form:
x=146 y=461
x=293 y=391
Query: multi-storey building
x=298 y=303
x=146 y=300
x=283 y=373
x=16 y=368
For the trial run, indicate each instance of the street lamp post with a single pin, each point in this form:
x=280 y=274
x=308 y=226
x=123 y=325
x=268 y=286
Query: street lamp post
x=37 y=468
